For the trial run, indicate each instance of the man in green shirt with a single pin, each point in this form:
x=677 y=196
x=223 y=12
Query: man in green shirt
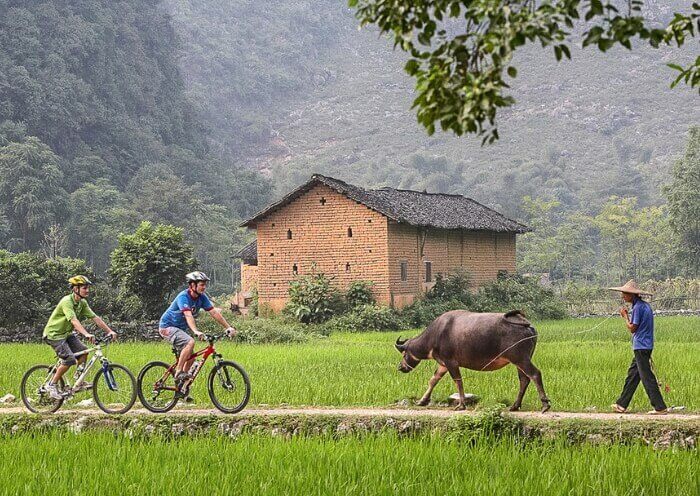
x=59 y=330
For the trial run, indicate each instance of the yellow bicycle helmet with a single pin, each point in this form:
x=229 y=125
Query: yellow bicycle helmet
x=79 y=281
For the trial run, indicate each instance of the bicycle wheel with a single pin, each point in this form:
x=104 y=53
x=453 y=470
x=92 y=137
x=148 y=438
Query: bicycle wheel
x=156 y=387
x=34 y=397
x=229 y=387
x=114 y=389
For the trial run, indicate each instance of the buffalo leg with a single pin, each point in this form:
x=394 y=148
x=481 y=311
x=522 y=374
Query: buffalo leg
x=524 y=382
x=441 y=370
x=536 y=376
x=457 y=377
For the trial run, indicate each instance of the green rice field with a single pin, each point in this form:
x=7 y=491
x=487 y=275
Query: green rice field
x=583 y=370
x=104 y=463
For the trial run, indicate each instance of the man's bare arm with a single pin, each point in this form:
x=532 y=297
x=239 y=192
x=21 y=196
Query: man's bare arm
x=80 y=329
x=102 y=325
x=192 y=324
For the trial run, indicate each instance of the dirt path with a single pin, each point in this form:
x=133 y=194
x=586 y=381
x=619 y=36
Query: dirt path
x=389 y=412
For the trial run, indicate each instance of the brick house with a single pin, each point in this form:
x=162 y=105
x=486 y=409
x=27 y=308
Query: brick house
x=398 y=239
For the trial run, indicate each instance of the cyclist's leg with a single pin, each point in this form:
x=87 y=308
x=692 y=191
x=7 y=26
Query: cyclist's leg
x=184 y=344
x=77 y=346
x=65 y=354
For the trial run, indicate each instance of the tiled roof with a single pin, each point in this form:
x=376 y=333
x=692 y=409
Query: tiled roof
x=415 y=208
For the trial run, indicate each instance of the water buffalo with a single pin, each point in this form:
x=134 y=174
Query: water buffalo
x=477 y=341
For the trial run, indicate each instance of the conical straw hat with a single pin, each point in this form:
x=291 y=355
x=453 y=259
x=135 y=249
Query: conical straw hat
x=631 y=287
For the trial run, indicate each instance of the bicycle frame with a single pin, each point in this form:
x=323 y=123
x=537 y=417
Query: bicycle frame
x=205 y=353
x=98 y=355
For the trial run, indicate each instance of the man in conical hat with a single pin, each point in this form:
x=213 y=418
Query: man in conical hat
x=640 y=322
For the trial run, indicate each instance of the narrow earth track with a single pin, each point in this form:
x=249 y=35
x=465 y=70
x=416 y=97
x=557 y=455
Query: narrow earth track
x=387 y=412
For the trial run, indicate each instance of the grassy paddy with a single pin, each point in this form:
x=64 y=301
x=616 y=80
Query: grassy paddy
x=103 y=463
x=583 y=370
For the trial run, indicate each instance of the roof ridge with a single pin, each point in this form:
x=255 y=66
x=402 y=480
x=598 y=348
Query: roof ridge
x=420 y=192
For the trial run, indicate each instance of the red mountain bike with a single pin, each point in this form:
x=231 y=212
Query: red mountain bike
x=228 y=383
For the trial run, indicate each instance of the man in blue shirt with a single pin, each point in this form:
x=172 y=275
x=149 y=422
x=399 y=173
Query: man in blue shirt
x=641 y=324
x=181 y=314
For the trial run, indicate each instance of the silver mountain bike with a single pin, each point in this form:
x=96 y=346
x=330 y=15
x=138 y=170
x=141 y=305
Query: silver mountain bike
x=113 y=388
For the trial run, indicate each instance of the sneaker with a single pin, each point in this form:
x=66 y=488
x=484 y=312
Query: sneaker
x=658 y=412
x=181 y=379
x=53 y=391
x=618 y=409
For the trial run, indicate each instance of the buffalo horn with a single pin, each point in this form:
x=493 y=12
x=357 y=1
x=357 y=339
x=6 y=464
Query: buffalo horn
x=401 y=345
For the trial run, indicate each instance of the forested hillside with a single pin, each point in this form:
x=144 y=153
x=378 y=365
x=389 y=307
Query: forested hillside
x=97 y=134
x=294 y=87
x=197 y=114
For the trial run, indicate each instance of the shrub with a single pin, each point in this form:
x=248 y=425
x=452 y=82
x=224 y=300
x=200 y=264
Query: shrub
x=423 y=311
x=455 y=287
x=359 y=293
x=519 y=292
x=367 y=318
x=259 y=331
x=255 y=304
x=312 y=299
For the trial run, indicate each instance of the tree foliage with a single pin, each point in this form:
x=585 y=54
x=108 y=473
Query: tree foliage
x=43 y=283
x=684 y=204
x=92 y=105
x=461 y=51
x=148 y=265
x=30 y=189
x=98 y=213
x=620 y=241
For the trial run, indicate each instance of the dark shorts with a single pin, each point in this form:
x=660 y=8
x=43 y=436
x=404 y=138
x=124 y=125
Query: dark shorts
x=67 y=348
x=176 y=336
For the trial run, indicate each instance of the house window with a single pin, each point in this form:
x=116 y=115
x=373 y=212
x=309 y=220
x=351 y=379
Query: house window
x=289 y=234
x=428 y=271
x=349 y=232
x=322 y=201
x=404 y=271
x=295 y=269
x=347 y=267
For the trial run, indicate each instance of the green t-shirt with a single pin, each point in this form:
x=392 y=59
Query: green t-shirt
x=59 y=325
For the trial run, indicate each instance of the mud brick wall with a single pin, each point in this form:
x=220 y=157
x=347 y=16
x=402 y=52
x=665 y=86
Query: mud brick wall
x=318 y=223
x=249 y=277
x=482 y=253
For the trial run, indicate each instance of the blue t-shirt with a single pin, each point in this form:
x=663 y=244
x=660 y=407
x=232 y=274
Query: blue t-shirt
x=643 y=318
x=174 y=316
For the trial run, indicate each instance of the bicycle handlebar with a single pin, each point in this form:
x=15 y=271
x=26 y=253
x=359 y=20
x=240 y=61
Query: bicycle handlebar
x=103 y=341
